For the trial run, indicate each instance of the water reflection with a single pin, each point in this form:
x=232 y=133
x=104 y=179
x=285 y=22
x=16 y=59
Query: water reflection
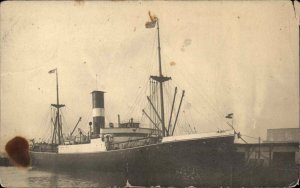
x=16 y=177
x=84 y=178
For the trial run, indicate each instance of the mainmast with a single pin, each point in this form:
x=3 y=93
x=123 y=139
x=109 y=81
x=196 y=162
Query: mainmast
x=57 y=124
x=160 y=79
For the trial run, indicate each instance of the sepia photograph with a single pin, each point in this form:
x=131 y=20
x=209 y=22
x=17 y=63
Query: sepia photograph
x=150 y=93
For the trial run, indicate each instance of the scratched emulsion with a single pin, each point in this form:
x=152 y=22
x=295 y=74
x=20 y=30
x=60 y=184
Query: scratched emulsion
x=18 y=151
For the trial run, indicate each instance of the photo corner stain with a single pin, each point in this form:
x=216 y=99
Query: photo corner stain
x=18 y=151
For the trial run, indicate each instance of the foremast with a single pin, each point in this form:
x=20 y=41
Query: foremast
x=169 y=130
x=57 y=137
x=160 y=79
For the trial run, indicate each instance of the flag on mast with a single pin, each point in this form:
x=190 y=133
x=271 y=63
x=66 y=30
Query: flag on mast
x=152 y=23
x=52 y=71
x=229 y=116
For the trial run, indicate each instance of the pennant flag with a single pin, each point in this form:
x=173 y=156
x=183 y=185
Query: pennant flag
x=230 y=116
x=52 y=71
x=152 y=23
x=149 y=25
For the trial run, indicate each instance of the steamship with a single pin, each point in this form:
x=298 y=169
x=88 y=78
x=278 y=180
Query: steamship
x=133 y=150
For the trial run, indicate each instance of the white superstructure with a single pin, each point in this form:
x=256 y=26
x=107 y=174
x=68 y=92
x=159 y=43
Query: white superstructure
x=196 y=136
x=96 y=145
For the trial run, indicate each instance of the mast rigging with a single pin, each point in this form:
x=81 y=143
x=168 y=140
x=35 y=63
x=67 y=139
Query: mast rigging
x=57 y=124
x=161 y=79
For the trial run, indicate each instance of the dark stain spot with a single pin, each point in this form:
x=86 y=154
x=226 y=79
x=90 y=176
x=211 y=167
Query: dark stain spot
x=134 y=29
x=238 y=17
x=187 y=42
x=84 y=62
x=18 y=151
x=172 y=63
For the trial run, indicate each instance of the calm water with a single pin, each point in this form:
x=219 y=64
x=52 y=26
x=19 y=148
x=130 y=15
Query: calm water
x=19 y=177
x=32 y=177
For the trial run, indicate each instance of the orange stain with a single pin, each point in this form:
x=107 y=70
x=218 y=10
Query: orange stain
x=18 y=151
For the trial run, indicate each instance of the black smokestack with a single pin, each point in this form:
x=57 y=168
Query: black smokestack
x=98 y=112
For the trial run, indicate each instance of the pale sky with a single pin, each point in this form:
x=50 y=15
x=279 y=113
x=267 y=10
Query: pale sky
x=230 y=57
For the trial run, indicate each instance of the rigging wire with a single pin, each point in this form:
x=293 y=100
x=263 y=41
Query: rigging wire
x=138 y=101
x=62 y=119
x=207 y=101
x=205 y=96
x=141 y=91
x=213 y=105
x=191 y=75
x=41 y=129
x=252 y=137
x=192 y=107
x=187 y=113
x=66 y=126
x=157 y=102
x=74 y=116
x=49 y=127
x=131 y=109
x=152 y=97
x=193 y=122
